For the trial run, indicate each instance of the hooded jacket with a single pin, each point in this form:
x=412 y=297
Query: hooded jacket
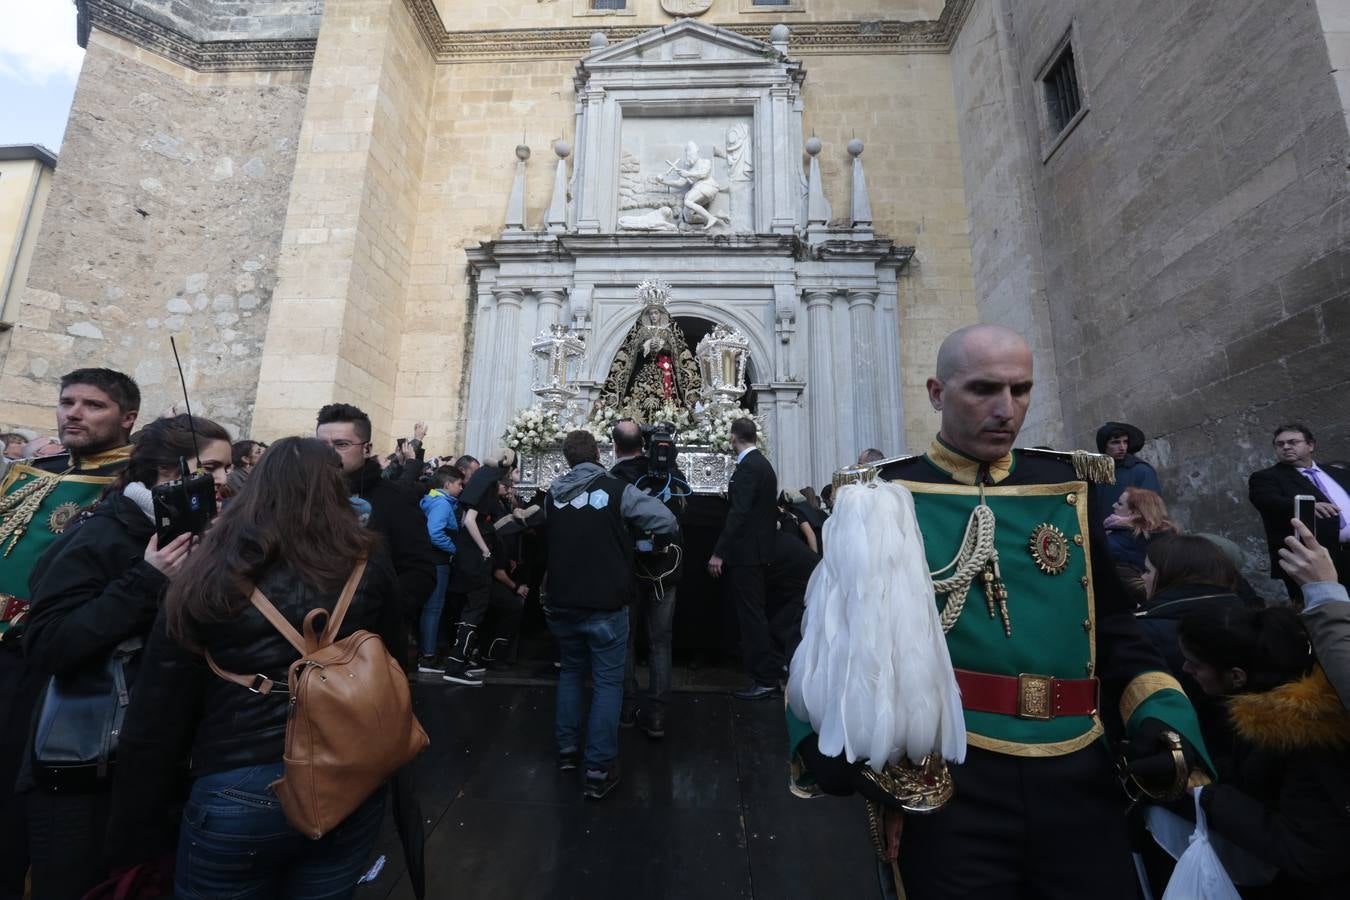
x=440 y=510
x=590 y=536
x=1289 y=800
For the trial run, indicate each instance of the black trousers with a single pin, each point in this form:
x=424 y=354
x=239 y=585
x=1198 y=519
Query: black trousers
x=770 y=618
x=495 y=609
x=1022 y=828
x=67 y=833
x=19 y=689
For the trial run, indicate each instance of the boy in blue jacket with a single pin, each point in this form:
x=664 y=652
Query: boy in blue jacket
x=442 y=521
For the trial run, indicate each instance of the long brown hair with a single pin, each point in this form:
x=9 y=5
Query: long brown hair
x=1150 y=513
x=1180 y=559
x=293 y=510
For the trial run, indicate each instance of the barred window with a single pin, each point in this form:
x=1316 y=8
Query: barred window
x=1062 y=96
x=609 y=4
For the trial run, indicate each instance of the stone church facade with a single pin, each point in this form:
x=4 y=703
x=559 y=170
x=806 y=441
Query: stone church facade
x=326 y=200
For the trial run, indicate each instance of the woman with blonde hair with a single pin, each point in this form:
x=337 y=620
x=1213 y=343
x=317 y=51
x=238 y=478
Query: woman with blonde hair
x=1137 y=517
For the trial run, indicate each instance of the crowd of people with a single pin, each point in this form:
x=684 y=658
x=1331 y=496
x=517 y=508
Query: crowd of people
x=168 y=782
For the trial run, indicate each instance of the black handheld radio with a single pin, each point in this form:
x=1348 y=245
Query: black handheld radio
x=188 y=504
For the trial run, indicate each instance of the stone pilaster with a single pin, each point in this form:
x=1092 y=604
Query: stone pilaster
x=862 y=342
x=820 y=384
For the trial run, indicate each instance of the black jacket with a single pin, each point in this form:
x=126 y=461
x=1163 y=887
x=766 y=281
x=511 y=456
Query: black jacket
x=395 y=514
x=180 y=710
x=1288 y=802
x=1159 y=619
x=1272 y=492
x=92 y=589
x=634 y=471
x=752 y=520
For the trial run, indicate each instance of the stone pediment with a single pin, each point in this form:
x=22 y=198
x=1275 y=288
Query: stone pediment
x=685 y=44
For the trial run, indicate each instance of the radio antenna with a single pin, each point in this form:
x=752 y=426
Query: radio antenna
x=188 y=404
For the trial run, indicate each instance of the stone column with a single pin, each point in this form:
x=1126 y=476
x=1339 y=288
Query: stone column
x=505 y=359
x=820 y=384
x=592 y=104
x=862 y=344
x=550 y=308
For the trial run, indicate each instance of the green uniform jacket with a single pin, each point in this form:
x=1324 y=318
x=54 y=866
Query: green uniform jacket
x=38 y=499
x=1070 y=618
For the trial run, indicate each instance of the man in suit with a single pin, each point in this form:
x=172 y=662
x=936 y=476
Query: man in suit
x=1272 y=492
x=745 y=551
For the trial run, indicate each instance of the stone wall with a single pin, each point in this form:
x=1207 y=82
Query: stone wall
x=902 y=107
x=229 y=20
x=998 y=164
x=337 y=324
x=466 y=15
x=1195 y=235
x=164 y=218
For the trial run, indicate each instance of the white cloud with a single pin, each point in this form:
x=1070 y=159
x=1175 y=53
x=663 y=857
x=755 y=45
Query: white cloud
x=37 y=42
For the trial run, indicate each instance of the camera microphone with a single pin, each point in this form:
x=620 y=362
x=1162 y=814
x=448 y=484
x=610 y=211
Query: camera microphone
x=188 y=504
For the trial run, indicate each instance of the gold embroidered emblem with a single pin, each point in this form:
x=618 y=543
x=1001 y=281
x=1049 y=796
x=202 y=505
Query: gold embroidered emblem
x=62 y=516
x=1049 y=548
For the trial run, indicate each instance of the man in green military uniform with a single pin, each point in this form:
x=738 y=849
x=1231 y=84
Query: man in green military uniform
x=38 y=499
x=1045 y=650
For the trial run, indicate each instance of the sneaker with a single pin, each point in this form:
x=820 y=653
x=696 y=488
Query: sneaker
x=569 y=760
x=476 y=668
x=628 y=715
x=599 y=783
x=464 y=676
x=431 y=664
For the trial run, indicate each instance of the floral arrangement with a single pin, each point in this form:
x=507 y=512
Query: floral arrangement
x=714 y=428
x=533 y=428
x=601 y=423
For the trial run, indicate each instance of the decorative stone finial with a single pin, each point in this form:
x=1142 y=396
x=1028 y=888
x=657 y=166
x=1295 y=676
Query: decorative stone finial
x=813 y=145
x=855 y=148
x=562 y=148
x=522 y=152
x=779 y=34
x=599 y=41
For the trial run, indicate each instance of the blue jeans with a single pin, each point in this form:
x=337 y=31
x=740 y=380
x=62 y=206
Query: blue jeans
x=430 y=625
x=595 y=640
x=235 y=843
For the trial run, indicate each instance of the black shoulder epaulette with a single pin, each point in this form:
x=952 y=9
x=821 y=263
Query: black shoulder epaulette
x=861 y=472
x=1096 y=468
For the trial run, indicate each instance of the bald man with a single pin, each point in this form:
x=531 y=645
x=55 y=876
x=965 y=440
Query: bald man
x=1048 y=658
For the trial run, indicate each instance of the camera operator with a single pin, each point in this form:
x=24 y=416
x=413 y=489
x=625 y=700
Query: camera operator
x=658 y=572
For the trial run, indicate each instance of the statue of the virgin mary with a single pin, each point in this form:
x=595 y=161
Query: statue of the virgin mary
x=654 y=367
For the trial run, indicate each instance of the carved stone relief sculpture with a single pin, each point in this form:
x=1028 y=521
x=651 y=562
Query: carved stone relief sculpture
x=686 y=7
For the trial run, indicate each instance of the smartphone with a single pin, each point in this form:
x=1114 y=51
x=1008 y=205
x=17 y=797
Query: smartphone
x=1305 y=510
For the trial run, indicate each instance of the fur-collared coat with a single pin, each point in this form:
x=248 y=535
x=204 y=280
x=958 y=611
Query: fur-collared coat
x=1289 y=802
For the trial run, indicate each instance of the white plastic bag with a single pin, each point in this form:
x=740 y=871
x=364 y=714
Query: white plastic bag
x=1199 y=875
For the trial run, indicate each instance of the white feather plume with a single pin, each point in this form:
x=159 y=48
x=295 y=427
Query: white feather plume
x=872 y=674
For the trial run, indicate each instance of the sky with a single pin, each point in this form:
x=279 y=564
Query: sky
x=39 y=64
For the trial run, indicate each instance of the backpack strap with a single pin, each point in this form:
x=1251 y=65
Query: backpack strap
x=344 y=603
x=306 y=645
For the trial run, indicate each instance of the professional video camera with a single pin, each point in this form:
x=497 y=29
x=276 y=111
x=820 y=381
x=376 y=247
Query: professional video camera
x=658 y=445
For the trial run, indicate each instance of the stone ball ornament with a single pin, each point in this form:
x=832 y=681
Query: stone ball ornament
x=813 y=145
x=779 y=34
x=599 y=41
x=522 y=152
x=855 y=147
x=562 y=148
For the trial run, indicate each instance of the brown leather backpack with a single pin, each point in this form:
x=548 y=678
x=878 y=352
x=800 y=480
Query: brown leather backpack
x=351 y=723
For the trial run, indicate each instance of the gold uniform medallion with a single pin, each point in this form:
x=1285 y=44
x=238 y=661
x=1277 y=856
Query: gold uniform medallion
x=62 y=516
x=1049 y=548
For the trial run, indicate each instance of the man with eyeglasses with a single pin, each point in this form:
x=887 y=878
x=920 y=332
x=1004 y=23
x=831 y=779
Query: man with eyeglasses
x=1272 y=492
x=393 y=509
